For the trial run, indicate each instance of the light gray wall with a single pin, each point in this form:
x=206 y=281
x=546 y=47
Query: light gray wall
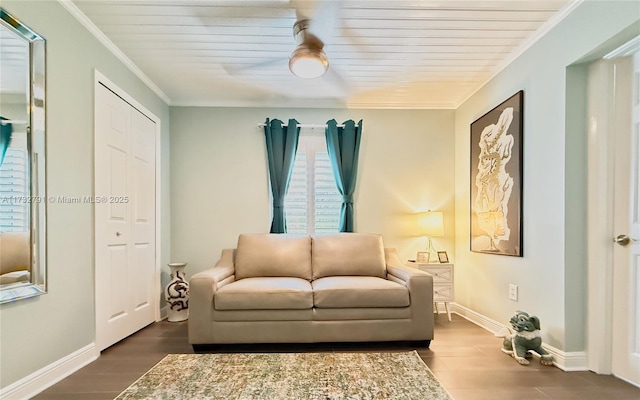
x=220 y=188
x=38 y=331
x=552 y=274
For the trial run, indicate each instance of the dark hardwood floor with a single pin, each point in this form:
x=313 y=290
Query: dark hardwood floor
x=466 y=359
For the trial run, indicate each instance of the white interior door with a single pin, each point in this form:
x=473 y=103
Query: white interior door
x=626 y=224
x=124 y=218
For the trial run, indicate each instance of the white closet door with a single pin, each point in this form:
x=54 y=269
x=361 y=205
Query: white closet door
x=124 y=218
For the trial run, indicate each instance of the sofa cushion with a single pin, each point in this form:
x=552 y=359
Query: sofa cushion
x=265 y=294
x=358 y=291
x=265 y=315
x=360 y=314
x=273 y=255
x=15 y=276
x=15 y=254
x=348 y=254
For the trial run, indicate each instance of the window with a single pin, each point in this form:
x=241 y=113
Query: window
x=14 y=207
x=313 y=202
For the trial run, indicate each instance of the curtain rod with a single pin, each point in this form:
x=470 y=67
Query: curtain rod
x=262 y=125
x=12 y=122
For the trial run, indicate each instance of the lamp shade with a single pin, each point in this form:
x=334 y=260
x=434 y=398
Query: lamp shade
x=430 y=223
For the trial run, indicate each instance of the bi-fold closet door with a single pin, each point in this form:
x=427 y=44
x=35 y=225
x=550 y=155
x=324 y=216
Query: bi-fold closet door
x=125 y=218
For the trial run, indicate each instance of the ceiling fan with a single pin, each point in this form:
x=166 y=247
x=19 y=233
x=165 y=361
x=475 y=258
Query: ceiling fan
x=306 y=71
x=308 y=60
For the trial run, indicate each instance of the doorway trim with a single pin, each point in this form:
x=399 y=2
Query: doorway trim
x=101 y=79
x=600 y=120
x=600 y=172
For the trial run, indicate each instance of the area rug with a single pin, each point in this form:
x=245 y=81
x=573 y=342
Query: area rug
x=289 y=376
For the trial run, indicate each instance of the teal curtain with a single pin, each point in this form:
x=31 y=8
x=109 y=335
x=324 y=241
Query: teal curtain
x=6 y=130
x=343 y=146
x=282 y=145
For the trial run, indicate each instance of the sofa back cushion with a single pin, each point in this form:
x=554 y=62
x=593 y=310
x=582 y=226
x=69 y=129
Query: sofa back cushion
x=14 y=252
x=274 y=255
x=353 y=254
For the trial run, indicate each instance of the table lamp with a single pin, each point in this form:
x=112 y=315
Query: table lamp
x=431 y=224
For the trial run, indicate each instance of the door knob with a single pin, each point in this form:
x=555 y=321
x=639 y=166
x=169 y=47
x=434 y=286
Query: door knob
x=622 y=240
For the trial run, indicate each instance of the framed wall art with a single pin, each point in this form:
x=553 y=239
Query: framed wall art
x=496 y=179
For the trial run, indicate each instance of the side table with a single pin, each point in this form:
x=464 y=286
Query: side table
x=442 y=283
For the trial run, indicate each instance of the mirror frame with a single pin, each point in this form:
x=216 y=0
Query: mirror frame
x=36 y=139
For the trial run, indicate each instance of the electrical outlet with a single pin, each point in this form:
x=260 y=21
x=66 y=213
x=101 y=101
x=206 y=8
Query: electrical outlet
x=513 y=292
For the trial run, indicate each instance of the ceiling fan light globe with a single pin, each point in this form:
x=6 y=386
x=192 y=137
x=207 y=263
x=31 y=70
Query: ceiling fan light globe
x=308 y=64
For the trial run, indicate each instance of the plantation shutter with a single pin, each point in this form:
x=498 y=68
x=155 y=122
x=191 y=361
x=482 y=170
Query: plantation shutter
x=14 y=200
x=297 y=198
x=328 y=199
x=313 y=202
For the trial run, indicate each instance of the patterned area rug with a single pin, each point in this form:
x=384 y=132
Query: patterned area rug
x=289 y=376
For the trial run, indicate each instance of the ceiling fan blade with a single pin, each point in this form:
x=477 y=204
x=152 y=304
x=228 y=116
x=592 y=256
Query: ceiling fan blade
x=325 y=19
x=253 y=67
x=335 y=79
x=350 y=38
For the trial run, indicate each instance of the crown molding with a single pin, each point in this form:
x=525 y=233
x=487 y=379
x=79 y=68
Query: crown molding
x=115 y=50
x=317 y=103
x=402 y=106
x=524 y=46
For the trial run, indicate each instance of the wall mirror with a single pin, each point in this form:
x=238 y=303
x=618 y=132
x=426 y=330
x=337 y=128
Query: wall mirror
x=22 y=161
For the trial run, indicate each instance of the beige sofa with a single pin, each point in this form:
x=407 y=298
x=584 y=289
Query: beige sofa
x=14 y=257
x=276 y=288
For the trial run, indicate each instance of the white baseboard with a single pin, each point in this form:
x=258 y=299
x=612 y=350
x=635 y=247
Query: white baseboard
x=566 y=361
x=47 y=376
x=478 y=319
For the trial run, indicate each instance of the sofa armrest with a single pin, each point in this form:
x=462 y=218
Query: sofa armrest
x=399 y=270
x=405 y=273
x=202 y=288
x=220 y=272
x=420 y=287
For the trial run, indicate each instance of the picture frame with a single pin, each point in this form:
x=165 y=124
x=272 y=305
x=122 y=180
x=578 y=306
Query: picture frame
x=496 y=179
x=443 y=257
x=422 y=257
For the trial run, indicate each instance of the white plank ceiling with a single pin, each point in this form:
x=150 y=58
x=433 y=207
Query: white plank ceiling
x=382 y=54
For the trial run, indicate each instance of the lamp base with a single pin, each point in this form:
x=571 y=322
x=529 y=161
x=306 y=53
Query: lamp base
x=433 y=254
x=433 y=258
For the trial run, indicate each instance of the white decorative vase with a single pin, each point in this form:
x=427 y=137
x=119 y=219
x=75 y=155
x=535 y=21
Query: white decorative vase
x=177 y=294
